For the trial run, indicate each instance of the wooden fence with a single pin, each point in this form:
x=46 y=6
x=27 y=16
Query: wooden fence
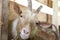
x=4 y=19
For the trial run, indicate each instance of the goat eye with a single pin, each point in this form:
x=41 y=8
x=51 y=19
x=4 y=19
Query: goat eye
x=37 y=23
x=21 y=16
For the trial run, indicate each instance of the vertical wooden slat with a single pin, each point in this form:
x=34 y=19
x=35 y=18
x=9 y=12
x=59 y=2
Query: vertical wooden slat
x=55 y=15
x=49 y=17
x=49 y=3
x=5 y=20
x=0 y=16
x=42 y=1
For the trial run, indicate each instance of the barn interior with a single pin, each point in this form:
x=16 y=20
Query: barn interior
x=48 y=16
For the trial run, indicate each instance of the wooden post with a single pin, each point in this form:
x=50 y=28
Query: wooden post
x=49 y=17
x=5 y=20
x=0 y=16
x=49 y=3
x=55 y=15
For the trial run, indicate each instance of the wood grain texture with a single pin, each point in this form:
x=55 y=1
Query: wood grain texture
x=0 y=16
x=5 y=20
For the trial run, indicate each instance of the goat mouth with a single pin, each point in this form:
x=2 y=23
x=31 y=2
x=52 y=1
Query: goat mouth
x=24 y=36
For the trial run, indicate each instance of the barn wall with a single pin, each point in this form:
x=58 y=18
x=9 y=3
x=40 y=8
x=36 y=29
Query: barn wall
x=5 y=12
x=58 y=20
x=42 y=1
x=42 y=17
x=50 y=3
x=0 y=16
x=49 y=18
x=46 y=2
x=59 y=9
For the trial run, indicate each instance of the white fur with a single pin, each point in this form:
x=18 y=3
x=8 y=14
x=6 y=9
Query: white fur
x=30 y=17
x=24 y=35
x=14 y=31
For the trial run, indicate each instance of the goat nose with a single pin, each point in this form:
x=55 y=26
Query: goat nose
x=37 y=23
x=26 y=32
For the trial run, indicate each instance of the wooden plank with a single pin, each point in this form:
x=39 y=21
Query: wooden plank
x=5 y=20
x=49 y=18
x=49 y=3
x=42 y=1
x=55 y=16
x=55 y=13
x=0 y=16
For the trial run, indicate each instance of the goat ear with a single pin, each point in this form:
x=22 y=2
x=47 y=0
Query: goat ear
x=39 y=8
x=30 y=5
x=17 y=8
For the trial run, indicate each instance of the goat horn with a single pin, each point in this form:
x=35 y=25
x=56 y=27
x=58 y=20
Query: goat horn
x=30 y=5
x=39 y=8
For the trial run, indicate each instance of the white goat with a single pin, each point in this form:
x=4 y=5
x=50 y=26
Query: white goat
x=25 y=23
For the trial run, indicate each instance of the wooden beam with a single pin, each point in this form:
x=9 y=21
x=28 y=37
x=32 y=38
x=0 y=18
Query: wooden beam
x=0 y=16
x=47 y=16
x=55 y=15
x=5 y=20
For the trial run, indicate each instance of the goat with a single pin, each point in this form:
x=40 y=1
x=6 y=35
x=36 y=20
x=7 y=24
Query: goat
x=24 y=25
